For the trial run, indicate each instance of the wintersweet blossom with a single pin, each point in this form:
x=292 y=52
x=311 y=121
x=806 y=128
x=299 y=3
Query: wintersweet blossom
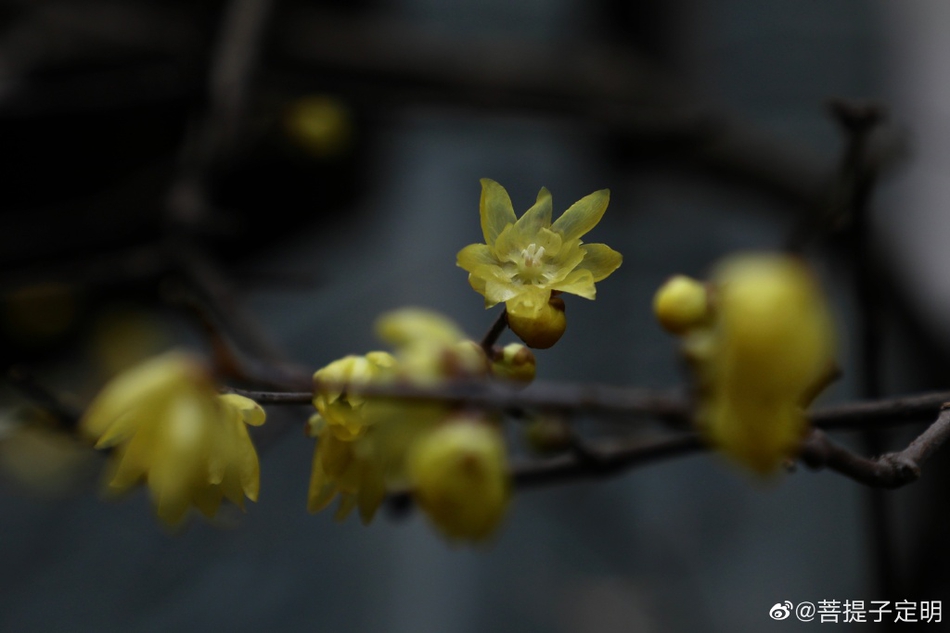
x=344 y=468
x=761 y=352
x=168 y=426
x=524 y=260
x=362 y=442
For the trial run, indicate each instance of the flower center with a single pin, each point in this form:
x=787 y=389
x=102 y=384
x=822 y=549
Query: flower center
x=532 y=255
x=530 y=268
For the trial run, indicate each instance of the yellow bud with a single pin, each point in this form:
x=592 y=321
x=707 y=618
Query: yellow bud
x=548 y=434
x=319 y=124
x=460 y=478
x=544 y=330
x=516 y=363
x=680 y=304
x=465 y=359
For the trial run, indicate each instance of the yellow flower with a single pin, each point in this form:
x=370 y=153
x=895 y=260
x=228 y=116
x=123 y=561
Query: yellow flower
x=363 y=442
x=336 y=390
x=523 y=260
x=459 y=473
x=761 y=356
x=169 y=426
x=346 y=468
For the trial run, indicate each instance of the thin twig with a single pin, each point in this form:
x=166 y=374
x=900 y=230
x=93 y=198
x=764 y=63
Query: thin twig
x=855 y=184
x=491 y=336
x=891 y=470
x=604 y=400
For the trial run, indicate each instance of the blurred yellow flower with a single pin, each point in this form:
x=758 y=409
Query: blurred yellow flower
x=459 y=474
x=363 y=442
x=169 y=427
x=523 y=260
x=347 y=468
x=764 y=352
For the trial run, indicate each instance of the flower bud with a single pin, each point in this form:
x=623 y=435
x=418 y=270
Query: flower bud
x=548 y=434
x=680 y=304
x=515 y=363
x=544 y=330
x=460 y=478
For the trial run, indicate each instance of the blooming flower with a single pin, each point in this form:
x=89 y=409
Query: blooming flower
x=459 y=473
x=169 y=426
x=524 y=260
x=761 y=354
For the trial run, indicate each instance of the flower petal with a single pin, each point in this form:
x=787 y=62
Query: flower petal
x=583 y=215
x=535 y=218
x=529 y=302
x=480 y=260
x=495 y=209
x=251 y=412
x=600 y=260
x=497 y=292
x=580 y=282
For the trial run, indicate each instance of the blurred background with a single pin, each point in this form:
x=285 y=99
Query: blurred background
x=309 y=165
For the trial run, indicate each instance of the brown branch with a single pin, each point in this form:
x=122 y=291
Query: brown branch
x=891 y=470
x=604 y=400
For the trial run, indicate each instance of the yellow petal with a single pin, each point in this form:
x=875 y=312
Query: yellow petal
x=477 y=284
x=583 y=215
x=140 y=387
x=600 y=260
x=535 y=218
x=528 y=304
x=347 y=503
x=371 y=494
x=475 y=255
x=208 y=500
x=496 y=292
x=580 y=282
x=251 y=412
x=321 y=490
x=495 y=210
x=124 y=427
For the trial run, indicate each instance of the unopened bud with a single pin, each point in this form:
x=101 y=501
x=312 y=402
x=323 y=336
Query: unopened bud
x=544 y=330
x=681 y=304
x=515 y=363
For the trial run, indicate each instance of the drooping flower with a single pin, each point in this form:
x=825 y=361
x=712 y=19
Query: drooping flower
x=359 y=467
x=459 y=473
x=168 y=426
x=524 y=260
x=761 y=354
x=347 y=468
